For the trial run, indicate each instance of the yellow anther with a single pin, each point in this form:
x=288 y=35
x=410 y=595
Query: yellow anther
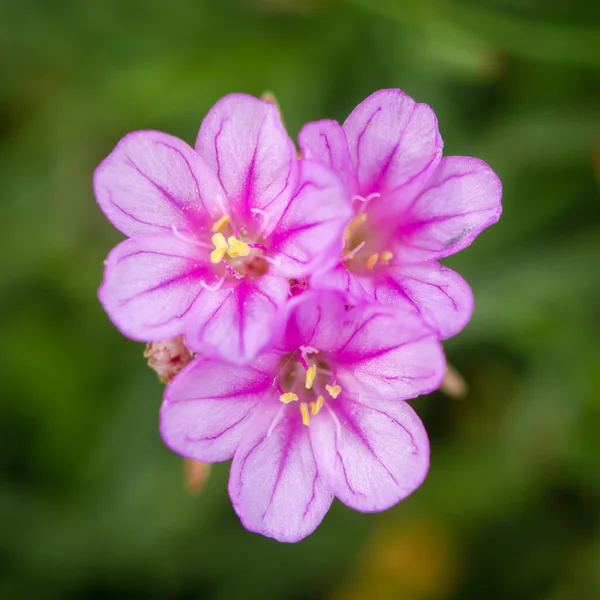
x=355 y=223
x=220 y=225
x=310 y=377
x=315 y=407
x=237 y=248
x=372 y=261
x=386 y=256
x=333 y=390
x=219 y=241
x=216 y=256
x=305 y=415
x=288 y=397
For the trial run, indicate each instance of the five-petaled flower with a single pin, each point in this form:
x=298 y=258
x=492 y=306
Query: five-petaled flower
x=215 y=232
x=319 y=415
x=411 y=207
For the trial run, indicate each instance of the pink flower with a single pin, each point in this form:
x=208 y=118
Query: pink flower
x=216 y=232
x=322 y=415
x=411 y=207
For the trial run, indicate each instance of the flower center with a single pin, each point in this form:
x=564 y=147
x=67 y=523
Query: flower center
x=360 y=241
x=239 y=255
x=307 y=385
x=232 y=246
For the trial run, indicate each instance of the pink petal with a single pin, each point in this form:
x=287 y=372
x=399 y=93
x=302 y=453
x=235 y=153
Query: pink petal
x=207 y=407
x=239 y=321
x=152 y=182
x=308 y=236
x=274 y=485
x=357 y=288
x=314 y=319
x=461 y=199
x=243 y=140
x=394 y=144
x=150 y=284
x=387 y=353
x=441 y=296
x=372 y=455
x=325 y=141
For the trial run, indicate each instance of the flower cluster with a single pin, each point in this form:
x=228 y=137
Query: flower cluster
x=308 y=288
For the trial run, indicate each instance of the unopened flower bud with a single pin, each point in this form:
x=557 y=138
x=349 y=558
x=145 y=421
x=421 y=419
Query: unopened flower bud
x=167 y=358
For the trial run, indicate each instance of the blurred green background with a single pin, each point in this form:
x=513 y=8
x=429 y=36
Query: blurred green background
x=92 y=504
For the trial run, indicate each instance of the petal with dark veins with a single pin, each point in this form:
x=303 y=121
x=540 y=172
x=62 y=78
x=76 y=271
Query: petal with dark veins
x=371 y=455
x=274 y=484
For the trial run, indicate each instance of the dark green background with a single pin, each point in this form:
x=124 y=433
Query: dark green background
x=91 y=502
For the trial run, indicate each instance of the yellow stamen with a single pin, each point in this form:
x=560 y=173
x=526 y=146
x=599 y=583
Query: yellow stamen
x=310 y=377
x=237 y=248
x=220 y=225
x=386 y=256
x=216 y=256
x=315 y=407
x=305 y=415
x=333 y=390
x=288 y=397
x=372 y=261
x=355 y=223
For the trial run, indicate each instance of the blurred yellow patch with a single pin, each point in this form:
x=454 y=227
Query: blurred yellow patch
x=412 y=561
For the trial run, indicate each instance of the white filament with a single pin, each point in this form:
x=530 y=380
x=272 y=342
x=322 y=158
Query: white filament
x=276 y=420
x=264 y=215
x=338 y=427
x=212 y=288
x=364 y=200
x=273 y=261
x=188 y=240
x=352 y=254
